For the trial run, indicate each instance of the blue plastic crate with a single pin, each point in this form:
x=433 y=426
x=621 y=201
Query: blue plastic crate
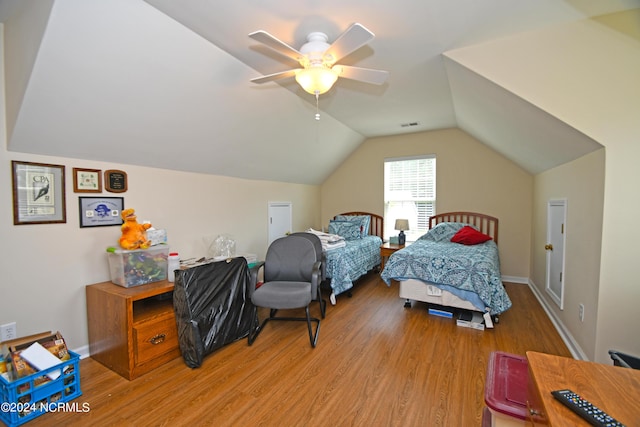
x=29 y=397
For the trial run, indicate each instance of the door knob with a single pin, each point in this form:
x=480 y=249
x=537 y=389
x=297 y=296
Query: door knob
x=548 y=247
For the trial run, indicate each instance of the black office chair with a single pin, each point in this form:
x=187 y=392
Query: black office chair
x=320 y=256
x=291 y=280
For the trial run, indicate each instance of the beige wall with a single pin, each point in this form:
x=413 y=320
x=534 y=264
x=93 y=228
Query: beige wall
x=619 y=291
x=470 y=177
x=46 y=267
x=581 y=184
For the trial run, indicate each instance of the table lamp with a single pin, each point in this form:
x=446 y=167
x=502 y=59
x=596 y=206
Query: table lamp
x=402 y=224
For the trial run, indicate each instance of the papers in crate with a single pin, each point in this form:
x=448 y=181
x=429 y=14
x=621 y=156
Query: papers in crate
x=41 y=359
x=17 y=366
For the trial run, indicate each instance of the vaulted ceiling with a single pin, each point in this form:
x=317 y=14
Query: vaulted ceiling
x=166 y=84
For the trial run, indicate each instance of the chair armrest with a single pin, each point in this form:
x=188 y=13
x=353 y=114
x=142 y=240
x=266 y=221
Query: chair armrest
x=316 y=278
x=253 y=271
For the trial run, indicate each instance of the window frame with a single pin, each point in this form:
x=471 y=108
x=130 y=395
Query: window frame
x=418 y=222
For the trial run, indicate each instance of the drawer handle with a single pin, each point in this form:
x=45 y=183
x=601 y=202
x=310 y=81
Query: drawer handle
x=534 y=412
x=158 y=339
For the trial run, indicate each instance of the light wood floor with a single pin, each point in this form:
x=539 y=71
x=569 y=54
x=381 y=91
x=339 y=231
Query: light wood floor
x=376 y=364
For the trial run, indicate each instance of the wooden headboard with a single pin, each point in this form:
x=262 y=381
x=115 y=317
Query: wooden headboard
x=377 y=222
x=485 y=223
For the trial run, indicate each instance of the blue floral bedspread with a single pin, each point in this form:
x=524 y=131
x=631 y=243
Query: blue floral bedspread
x=469 y=272
x=346 y=264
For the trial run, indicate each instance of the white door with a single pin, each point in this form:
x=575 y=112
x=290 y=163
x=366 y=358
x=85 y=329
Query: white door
x=280 y=214
x=556 y=232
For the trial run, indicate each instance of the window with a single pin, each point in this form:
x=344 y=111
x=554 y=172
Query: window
x=409 y=193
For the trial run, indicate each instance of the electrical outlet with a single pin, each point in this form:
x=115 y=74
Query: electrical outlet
x=581 y=312
x=8 y=331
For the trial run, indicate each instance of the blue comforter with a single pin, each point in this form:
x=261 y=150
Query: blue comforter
x=469 y=272
x=346 y=264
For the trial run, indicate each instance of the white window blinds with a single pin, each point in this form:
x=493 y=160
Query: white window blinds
x=409 y=193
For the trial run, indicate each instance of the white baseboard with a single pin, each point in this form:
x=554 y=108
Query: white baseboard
x=515 y=279
x=572 y=345
x=82 y=351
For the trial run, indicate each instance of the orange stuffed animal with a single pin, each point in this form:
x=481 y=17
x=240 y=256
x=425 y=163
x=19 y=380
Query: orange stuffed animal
x=134 y=235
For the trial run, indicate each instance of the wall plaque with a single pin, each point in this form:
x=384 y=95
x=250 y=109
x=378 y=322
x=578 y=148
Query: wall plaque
x=115 y=181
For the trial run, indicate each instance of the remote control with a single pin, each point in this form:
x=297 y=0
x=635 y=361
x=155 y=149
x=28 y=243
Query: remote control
x=595 y=416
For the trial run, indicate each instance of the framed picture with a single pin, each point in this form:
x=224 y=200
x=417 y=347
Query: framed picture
x=115 y=181
x=87 y=180
x=100 y=211
x=38 y=193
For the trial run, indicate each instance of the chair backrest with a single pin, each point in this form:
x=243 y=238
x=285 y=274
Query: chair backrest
x=290 y=258
x=318 y=247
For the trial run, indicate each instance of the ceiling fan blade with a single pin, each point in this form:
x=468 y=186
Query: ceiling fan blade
x=275 y=76
x=367 y=75
x=277 y=45
x=353 y=38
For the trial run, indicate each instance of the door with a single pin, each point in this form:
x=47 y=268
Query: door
x=280 y=214
x=556 y=232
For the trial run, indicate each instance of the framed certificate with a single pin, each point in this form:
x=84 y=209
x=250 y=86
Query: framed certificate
x=100 y=211
x=38 y=193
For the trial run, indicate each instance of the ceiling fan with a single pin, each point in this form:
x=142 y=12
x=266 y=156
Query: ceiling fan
x=318 y=59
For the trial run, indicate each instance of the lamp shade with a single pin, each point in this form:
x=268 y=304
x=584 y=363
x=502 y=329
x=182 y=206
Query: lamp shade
x=316 y=79
x=402 y=224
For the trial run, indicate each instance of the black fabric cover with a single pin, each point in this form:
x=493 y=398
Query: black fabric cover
x=212 y=307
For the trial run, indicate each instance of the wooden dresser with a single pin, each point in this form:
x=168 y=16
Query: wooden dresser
x=613 y=389
x=132 y=330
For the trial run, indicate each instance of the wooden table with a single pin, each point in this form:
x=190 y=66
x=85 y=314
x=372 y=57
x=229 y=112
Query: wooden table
x=386 y=250
x=613 y=389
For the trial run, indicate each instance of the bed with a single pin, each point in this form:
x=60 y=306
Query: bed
x=436 y=270
x=360 y=252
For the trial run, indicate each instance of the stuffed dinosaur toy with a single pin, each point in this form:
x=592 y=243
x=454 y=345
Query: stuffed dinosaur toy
x=134 y=234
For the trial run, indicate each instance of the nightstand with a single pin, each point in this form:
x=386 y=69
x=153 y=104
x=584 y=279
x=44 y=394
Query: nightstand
x=132 y=330
x=386 y=250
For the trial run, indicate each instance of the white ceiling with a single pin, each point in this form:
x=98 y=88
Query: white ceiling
x=166 y=84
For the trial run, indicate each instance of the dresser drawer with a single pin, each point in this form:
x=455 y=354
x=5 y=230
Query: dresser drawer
x=154 y=338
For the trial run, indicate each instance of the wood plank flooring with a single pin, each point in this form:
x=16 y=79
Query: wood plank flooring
x=376 y=364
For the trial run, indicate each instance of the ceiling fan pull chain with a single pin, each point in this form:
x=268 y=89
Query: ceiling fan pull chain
x=317 y=108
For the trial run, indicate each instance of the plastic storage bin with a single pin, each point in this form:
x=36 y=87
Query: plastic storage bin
x=624 y=360
x=505 y=391
x=29 y=397
x=138 y=267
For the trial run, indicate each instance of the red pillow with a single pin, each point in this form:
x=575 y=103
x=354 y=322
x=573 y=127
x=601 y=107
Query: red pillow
x=469 y=236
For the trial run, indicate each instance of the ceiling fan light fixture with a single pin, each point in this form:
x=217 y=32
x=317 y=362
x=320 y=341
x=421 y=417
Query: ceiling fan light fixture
x=316 y=80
